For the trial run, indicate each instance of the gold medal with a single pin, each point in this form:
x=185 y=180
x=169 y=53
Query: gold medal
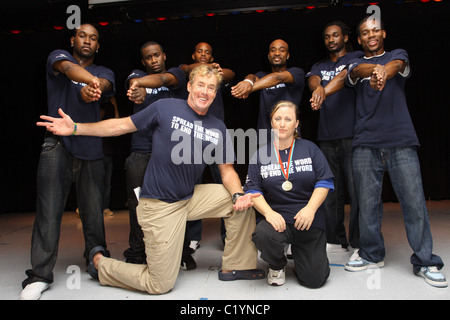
x=287 y=185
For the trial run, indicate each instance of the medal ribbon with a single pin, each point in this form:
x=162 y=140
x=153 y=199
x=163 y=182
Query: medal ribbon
x=277 y=153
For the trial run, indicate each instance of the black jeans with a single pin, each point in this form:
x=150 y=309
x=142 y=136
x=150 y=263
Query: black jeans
x=135 y=166
x=308 y=249
x=57 y=171
x=339 y=156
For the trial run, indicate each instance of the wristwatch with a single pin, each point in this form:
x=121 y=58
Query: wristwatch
x=236 y=196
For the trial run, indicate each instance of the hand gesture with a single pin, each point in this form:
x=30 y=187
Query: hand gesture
x=242 y=90
x=91 y=92
x=135 y=93
x=317 y=98
x=378 y=78
x=244 y=202
x=217 y=66
x=63 y=126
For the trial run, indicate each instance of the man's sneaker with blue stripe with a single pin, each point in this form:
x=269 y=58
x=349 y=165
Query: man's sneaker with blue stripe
x=432 y=276
x=360 y=264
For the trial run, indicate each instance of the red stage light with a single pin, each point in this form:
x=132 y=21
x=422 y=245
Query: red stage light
x=103 y=23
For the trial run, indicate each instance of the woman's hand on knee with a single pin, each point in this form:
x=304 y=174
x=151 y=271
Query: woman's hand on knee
x=276 y=220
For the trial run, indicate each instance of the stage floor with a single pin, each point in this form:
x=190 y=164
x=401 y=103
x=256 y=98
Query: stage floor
x=72 y=282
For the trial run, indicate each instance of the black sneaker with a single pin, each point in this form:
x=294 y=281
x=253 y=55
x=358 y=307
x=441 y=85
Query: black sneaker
x=188 y=263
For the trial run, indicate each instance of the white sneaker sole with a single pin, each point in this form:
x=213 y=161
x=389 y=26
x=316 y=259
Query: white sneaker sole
x=365 y=267
x=431 y=282
x=276 y=283
x=33 y=291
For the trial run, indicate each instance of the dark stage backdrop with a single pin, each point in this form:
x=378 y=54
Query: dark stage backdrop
x=240 y=42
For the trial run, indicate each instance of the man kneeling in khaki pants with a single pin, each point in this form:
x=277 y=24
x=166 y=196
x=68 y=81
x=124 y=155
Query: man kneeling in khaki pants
x=185 y=139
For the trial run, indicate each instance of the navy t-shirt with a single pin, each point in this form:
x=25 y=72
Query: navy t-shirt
x=382 y=117
x=337 y=114
x=141 y=141
x=284 y=91
x=65 y=94
x=184 y=142
x=308 y=167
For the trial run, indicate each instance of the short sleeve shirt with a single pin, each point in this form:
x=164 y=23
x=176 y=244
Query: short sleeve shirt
x=284 y=91
x=337 y=113
x=183 y=144
x=308 y=166
x=382 y=117
x=65 y=94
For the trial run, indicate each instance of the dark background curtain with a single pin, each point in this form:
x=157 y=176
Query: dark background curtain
x=240 y=42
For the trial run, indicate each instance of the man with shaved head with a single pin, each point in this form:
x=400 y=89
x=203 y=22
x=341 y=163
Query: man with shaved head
x=281 y=83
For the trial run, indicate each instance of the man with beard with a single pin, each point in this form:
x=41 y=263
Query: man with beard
x=282 y=83
x=74 y=84
x=335 y=133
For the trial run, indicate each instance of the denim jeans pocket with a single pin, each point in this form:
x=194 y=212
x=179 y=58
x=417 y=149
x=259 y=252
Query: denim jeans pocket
x=49 y=144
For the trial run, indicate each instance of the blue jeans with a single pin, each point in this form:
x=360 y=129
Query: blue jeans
x=339 y=156
x=402 y=164
x=135 y=167
x=57 y=170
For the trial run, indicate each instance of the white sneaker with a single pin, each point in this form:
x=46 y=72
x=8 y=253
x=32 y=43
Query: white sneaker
x=194 y=244
x=334 y=248
x=432 y=276
x=276 y=277
x=355 y=254
x=33 y=290
x=360 y=264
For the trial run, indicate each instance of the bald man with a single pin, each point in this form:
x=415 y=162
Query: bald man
x=281 y=83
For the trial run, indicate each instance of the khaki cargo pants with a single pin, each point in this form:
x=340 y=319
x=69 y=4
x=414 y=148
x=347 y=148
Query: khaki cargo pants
x=164 y=224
